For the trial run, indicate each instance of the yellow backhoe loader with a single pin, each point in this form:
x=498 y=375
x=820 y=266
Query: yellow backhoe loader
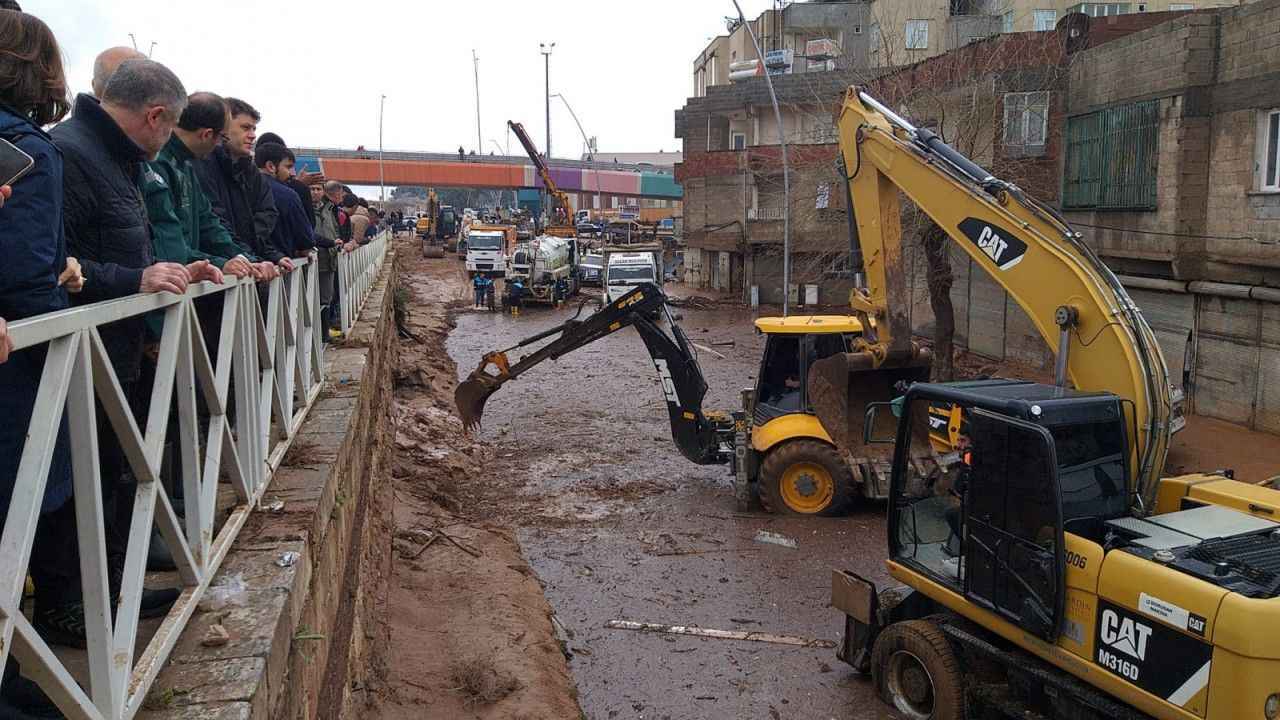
x=1045 y=568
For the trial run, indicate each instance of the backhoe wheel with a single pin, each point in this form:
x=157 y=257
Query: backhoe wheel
x=805 y=477
x=915 y=671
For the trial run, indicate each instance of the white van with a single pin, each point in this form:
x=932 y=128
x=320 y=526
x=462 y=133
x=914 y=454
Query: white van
x=625 y=270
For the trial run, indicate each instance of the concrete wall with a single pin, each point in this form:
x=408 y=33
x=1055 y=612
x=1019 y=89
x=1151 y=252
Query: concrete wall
x=300 y=641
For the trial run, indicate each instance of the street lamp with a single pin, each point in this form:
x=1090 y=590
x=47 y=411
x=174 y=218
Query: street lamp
x=546 y=49
x=585 y=142
x=475 y=66
x=382 y=177
x=786 y=173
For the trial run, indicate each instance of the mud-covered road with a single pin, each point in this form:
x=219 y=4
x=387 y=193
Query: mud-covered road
x=577 y=456
x=618 y=525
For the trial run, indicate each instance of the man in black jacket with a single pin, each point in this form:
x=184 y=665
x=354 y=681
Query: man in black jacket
x=104 y=148
x=238 y=192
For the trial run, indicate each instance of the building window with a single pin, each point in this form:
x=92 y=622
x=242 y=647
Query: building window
x=857 y=29
x=1111 y=158
x=1100 y=9
x=1046 y=19
x=917 y=34
x=1026 y=119
x=1006 y=21
x=739 y=141
x=1269 y=151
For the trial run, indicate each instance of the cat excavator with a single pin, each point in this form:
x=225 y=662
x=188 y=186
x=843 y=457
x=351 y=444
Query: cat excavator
x=1045 y=568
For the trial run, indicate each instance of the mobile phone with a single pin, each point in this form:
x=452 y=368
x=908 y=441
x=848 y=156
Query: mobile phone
x=14 y=163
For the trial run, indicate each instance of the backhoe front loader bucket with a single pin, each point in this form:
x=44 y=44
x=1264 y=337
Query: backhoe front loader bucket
x=471 y=394
x=843 y=385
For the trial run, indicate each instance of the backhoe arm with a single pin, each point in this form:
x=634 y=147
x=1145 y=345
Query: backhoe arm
x=683 y=385
x=1075 y=302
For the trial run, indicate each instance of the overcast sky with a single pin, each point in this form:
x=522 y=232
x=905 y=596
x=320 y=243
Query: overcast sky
x=316 y=79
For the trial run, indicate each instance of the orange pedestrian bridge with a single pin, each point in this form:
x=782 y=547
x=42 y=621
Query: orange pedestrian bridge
x=423 y=169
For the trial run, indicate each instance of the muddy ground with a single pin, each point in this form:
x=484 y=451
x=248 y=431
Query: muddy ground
x=468 y=633
x=575 y=460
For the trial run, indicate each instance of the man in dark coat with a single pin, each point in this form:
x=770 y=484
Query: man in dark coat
x=238 y=192
x=105 y=146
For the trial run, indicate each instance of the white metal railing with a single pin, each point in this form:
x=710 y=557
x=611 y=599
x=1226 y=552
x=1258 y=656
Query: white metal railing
x=357 y=271
x=268 y=359
x=764 y=213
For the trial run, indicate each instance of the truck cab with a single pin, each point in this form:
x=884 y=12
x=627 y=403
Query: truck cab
x=625 y=270
x=487 y=250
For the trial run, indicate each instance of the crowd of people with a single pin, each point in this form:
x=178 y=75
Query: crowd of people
x=139 y=187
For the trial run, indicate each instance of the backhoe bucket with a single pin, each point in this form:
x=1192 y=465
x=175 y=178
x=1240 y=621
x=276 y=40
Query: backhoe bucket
x=843 y=385
x=471 y=394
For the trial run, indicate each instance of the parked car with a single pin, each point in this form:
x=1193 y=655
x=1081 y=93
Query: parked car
x=591 y=269
x=589 y=229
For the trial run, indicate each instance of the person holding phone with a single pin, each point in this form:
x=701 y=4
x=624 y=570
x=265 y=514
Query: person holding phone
x=33 y=94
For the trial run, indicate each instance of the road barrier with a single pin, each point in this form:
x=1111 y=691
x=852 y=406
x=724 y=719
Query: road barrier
x=254 y=396
x=357 y=271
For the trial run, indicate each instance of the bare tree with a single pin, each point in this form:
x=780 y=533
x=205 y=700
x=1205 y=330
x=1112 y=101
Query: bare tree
x=961 y=96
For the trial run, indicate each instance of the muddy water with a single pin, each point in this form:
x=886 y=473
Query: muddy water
x=619 y=526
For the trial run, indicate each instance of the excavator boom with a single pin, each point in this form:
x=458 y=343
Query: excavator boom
x=1076 y=303
x=544 y=172
x=699 y=438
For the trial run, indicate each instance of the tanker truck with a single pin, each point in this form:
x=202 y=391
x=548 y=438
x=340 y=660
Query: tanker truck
x=541 y=263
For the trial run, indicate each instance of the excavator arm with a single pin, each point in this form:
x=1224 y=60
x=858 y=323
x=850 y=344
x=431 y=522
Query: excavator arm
x=700 y=439
x=1077 y=304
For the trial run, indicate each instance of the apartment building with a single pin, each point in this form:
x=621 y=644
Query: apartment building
x=908 y=31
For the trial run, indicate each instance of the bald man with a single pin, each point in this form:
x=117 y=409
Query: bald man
x=105 y=66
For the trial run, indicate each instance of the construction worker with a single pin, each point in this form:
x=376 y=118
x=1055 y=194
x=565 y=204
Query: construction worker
x=515 y=297
x=480 y=283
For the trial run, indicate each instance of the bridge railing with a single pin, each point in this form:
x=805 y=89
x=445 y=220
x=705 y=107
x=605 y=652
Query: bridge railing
x=234 y=413
x=399 y=155
x=357 y=271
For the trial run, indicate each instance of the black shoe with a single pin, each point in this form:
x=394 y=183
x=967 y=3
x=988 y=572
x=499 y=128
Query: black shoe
x=61 y=624
x=159 y=559
x=22 y=698
x=156 y=603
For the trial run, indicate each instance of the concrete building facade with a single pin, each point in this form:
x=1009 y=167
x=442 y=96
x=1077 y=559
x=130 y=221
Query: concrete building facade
x=902 y=32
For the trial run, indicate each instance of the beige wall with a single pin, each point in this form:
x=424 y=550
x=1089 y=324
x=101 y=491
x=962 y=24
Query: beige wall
x=892 y=16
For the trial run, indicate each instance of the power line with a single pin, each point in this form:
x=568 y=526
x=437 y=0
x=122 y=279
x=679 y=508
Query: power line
x=1172 y=234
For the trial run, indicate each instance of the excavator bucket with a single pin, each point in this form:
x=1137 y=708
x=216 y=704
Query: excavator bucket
x=472 y=393
x=841 y=387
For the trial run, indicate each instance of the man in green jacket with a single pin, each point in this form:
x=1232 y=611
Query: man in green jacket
x=184 y=228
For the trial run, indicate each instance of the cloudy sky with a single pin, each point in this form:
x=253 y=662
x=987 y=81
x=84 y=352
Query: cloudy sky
x=315 y=70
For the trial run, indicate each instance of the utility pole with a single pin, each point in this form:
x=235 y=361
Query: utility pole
x=475 y=65
x=546 y=57
x=382 y=177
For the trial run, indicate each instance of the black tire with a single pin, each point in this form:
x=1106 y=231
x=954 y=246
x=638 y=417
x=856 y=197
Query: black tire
x=915 y=672
x=796 y=454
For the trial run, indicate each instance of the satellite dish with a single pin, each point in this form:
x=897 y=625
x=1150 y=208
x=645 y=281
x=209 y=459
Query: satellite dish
x=1074 y=30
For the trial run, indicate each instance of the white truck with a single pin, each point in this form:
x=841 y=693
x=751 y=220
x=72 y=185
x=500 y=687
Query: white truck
x=487 y=249
x=626 y=266
x=547 y=266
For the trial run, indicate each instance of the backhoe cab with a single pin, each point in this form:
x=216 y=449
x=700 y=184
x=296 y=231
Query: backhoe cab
x=790 y=459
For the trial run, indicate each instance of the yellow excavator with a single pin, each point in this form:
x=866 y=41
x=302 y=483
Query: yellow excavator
x=1043 y=568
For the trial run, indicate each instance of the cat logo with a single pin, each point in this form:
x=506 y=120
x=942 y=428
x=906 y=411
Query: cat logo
x=668 y=385
x=991 y=244
x=1124 y=634
x=1004 y=249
